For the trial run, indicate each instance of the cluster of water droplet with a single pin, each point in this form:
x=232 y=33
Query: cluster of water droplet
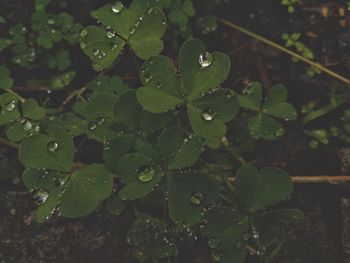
x=94 y=124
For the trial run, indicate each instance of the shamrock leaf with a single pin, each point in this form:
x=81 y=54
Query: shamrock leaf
x=32 y=110
x=54 y=151
x=263 y=126
x=9 y=108
x=178 y=148
x=140 y=26
x=260 y=189
x=188 y=194
x=208 y=108
x=139 y=175
x=74 y=195
x=6 y=81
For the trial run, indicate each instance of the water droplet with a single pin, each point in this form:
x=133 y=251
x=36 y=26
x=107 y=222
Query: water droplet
x=216 y=256
x=205 y=59
x=117 y=7
x=37 y=128
x=51 y=21
x=83 y=33
x=279 y=132
x=213 y=242
x=83 y=45
x=27 y=126
x=196 y=198
x=10 y=106
x=110 y=33
x=208 y=115
x=95 y=52
x=41 y=197
x=145 y=174
x=52 y=146
x=92 y=126
x=100 y=120
x=158 y=85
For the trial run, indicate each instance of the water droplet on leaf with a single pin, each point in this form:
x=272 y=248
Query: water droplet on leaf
x=83 y=33
x=205 y=59
x=117 y=7
x=10 y=106
x=196 y=198
x=145 y=174
x=27 y=126
x=41 y=197
x=52 y=146
x=208 y=115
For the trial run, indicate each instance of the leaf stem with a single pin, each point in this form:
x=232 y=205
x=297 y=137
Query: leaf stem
x=285 y=50
x=315 y=179
x=3 y=141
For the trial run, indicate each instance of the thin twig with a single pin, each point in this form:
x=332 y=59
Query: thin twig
x=76 y=93
x=3 y=141
x=314 y=179
x=285 y=50
x=20 y=98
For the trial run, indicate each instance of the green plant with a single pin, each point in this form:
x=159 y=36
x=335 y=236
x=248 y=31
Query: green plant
x=290 y=4
x=153 y=137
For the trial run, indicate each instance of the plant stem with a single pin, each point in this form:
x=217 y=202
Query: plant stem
x=20 y=98
x=3 y=141
x=76 y=93
x=285 y=50
x=315 y=179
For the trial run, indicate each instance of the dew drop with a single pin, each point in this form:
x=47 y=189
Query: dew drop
x=208 y=115
x=52 y=146
x=216 y=256
x=205 y=59
x=10 y=106
x=196 y=198
x=213 y=242
x=41 y=197
x=100 y=120
x=95 y=52
x=27 y=126
x=83 y=45
x=117 y=7
x=145 y=174
x=110 y=34
x=83 y=33
x=92 y=126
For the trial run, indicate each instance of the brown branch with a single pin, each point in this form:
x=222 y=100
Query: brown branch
x=314 y=179
x=3 y=141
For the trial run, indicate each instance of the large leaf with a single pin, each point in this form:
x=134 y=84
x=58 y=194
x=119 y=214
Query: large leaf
x=260 y=189
x=188 y=193
x=85 y=190
x=139 y=175
x=209 y=113
x=179 y=148
x=161 y=91
x=197 y=78
x=54 y=151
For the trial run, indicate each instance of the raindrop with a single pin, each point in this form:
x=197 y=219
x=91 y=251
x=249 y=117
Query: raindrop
x=196 y=198
x=83 y=45
x=117 y=7
x=216 y=256
x=205 y=59
x=213 y=242
x=41 y=197
x=100 y=120
x=83 y=33
x=10 y=106
x=110 y=34
x=92 y=126
x=159 y=85
x=52 y=146
x=145 y=174
x=208 y=115
x=95 y=52
x=27 y=126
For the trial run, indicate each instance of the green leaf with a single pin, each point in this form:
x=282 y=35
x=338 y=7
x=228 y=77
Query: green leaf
x=19 y=129
x=264 y=127
x=9 y=108
x=209 y=113
x=85 y=190
x=54 y=151
x=101 y=49
x=114 y=205
x=179 y=148
x=139 y=175
x=258 y=190
x=161 y=91
x=105 y=84
x=252 y=96
x=62 y=80
x=32 y=110
x=6 y=82
x=199 y=79
x=188 y=193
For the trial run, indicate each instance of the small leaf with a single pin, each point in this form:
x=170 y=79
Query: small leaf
x=139 y=175
x=54 y=151
x=9 y=108
x=85 y=190
x=264 y=127
x=199 y=79
x=32 y=110
x=179 y=148
x=161 y=91
x=188 y=193
x=62 y=80
x=251 y=98
x=258 y=190
x=6 y=82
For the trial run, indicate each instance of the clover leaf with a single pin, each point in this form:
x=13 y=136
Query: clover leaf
x=188 y=193
x=140 y=26
x=9 y=108
x=74 y=195
x=54 y=151
x=201 y=73
x=260 y=189
x=263 y=126
x=32 y=110
x=139 y=175
x=6 y=81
